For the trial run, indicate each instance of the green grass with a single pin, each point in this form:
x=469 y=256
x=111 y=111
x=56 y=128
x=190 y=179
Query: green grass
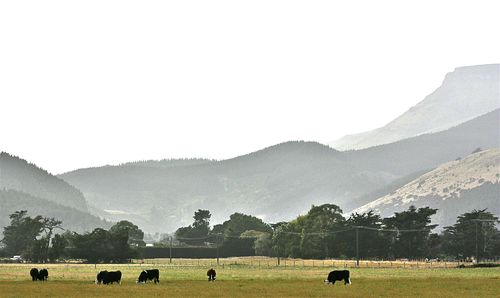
x=77 y=280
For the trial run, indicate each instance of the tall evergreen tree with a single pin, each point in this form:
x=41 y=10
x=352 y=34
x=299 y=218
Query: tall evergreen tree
x=198 y=230
x=134 y=234
x=371 y=243
x=22 y=232
x=412 y=243
x=473 y=230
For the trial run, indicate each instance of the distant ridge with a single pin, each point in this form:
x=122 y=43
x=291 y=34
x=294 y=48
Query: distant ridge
x=72 y=219
x=18 y=174
x=168 y=163
x=275 y=183
x=465 y=93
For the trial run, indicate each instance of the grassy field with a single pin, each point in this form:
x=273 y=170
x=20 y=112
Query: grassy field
x=240 y=279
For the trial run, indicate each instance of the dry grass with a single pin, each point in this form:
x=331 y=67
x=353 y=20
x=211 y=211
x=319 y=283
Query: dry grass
x=184 y=279
x=271 y=262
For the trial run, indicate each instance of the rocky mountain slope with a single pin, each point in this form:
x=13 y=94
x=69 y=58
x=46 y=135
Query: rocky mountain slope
x=455 y=187
x=466 y=93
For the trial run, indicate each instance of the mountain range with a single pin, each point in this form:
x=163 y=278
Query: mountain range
x=465 y=93
x=276 y=183
x=429 y=145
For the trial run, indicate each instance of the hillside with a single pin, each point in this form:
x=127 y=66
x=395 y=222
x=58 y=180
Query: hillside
x=379 y=192
x=454 y=188
x=429 y=150
x=272 y=183
x=168 y=163
x=74 y=220
x=276 y=183
x=18 y=174
x=465 y=93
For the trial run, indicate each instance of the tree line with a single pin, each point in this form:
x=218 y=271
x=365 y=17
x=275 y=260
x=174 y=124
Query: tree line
x=325 y=233
x=320 y=234
x=35 y=240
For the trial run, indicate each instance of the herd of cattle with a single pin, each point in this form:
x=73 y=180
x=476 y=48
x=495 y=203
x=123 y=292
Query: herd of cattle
x=109 y=277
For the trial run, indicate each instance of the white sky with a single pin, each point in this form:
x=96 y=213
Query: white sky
x=88 y=83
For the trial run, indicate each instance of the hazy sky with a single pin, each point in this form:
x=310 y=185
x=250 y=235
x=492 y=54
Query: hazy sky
x=87 y=83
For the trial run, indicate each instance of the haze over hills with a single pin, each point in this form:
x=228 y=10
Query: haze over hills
x=24 y=186
x=18 y=174
x=465 y=93
x=454 y=188
x=282 y=181
x=72 y=219
x=276 y=183
x=270 y=183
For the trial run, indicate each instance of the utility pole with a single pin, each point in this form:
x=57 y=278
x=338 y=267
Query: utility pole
x=170 y=249
x=279 y=259
x=357 y=246
x=217 y=245
x=477 y=220
x=477 y=256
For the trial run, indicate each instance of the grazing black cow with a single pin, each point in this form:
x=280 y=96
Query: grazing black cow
x=211 y=274
x=338 y=275
x=100 y=277
x=43 y=274
x=108 y=277
x=151 y=274
x=34 y=274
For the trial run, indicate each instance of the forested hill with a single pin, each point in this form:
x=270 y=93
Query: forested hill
x=18 y=174
x=276 y=183
x=275 y=179
x=168 y=163
x=73 y=220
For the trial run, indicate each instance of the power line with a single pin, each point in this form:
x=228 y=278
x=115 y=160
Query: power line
x=315 y=233
x=216 y=236
x=393 y=230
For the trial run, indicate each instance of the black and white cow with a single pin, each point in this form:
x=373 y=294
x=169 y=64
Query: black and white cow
x=42 y=275
x=211 y=274
x=34 y=274
x=338 y=275
x=108 y=277
x=151 y=274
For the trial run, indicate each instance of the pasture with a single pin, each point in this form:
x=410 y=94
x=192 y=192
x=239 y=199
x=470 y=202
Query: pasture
x=251 y=277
